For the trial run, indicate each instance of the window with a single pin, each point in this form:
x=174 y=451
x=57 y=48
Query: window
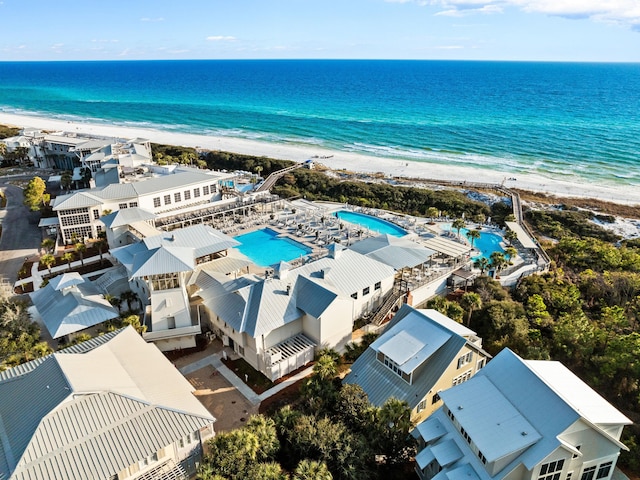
x=241 y=350
x=435 y=398
x=354 y=296
x=462 y=378
x=133 y=204
x=588 y=473
x=569 y=475
x=205 y=190
x=422 y=405
x=213 y=188
x=171 y=323
x=156 y=202
x=122 y=206
x=464 y=359
x=604 y=470
x=480 y=364
x=96 y=214
x=177 y=197
x=196 y=192
x=167 y=199
x=187 y=194
x=482 y=457
x=576 y=455
x=377 y=286
x=551 y=471
x=393 y=366
x=365 y=291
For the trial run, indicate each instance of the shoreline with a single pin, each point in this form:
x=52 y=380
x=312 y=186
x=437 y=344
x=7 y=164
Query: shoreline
x=339 y=160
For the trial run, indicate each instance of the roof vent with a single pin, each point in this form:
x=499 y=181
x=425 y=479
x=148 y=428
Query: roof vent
x=524 y=434
x=289 y=289
x=459 y=407
x=173 y=238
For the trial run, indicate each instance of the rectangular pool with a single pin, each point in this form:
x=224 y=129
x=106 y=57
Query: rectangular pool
x=266 y=248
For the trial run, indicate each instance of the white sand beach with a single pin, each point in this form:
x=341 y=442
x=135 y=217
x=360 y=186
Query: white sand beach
x=339 y=160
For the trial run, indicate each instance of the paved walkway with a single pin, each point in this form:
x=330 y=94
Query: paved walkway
x=216 y=361
x=37 y=275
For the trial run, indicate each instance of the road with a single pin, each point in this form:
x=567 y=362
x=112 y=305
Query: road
x=21 y=236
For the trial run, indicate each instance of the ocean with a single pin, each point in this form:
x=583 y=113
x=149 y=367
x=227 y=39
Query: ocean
x=570 y=121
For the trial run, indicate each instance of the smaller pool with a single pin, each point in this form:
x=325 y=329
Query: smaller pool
x=486 y=244
x=372 y=223
x=265 y=248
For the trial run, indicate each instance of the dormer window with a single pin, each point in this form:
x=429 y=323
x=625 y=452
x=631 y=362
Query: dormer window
x=393 y=366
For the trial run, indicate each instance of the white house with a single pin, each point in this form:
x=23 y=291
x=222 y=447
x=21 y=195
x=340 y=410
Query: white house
x=276 y=323
x=520 y=420
x=110 y=408
x=420 y=354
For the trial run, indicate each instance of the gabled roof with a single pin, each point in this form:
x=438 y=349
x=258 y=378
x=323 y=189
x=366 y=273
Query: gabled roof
x=444 y=246
x=203 y=239
x=417 y=342
x=127 y=216
x=398 y=252
x=68 y=304
x=76 y=200
x=518 y=408
x=162 y=260
x=91 y=411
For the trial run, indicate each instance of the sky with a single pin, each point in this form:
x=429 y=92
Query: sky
x=527 y=30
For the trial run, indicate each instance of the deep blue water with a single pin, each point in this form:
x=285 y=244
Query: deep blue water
x=372 y=223
x=572 y=121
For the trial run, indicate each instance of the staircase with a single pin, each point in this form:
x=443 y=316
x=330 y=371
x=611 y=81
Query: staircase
x=166 y=471
x=383 y=310
x=275 y=176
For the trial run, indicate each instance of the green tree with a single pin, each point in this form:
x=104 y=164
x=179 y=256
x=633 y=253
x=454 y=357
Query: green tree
x=473 y=235
x=392 y=434
x=134 y=321
x=81 y=248
x=482 y=263
x=510 y=236
x=48 y=245
x=19 y=335
x=312 y=470
x=264 y=428
x=67 y=257
x=432 y=212
x=458 y=224
x=267 y=471
x=231 y=454
x=510 y=253
x=66 y=180
x=129 y=296
x=34 y=193
x=498 y=262
x=48 y=261
x=470 y=301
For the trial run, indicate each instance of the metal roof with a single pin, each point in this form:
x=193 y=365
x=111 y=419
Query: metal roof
x=424 y=458
x=523 y=236
x=127 y=216
x=429 y=430
x=380 y=383
x=398 y=252
x=463 y=472
x=66 y=280
x=447 y=322
x=162 y=260
x=446 y=453
x=67 y=306
x=92 y=411
x=494 y=424
x=444 y=246
x=48 y=222
x=76 y=200
x=203 y=239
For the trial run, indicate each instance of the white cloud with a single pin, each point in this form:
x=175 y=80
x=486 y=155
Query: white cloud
x=621 y=12
x=148 y=19
x=221 y=38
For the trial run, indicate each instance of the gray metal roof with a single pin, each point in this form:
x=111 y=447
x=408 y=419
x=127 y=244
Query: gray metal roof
x=48 y=222
x=398 y=252
x=66 y=280
x=381 y=383
x=127 y=216
x=162 y=260
x=76 y=200
x=92 y=413
x=444 y=246
x=203 y=239
x=67 y=306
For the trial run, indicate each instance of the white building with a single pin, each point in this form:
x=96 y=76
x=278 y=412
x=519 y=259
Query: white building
x=80 y=213
x=276 y=323
x=520 y=420
x=110 y=408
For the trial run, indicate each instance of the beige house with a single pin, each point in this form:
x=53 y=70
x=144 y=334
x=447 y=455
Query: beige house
x=420 y=354
x=110 y=408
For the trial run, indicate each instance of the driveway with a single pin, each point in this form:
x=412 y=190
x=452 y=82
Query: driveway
x=21 y=236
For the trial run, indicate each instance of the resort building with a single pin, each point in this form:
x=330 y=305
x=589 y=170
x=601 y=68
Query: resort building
x=276 y=323
x=158 y=268
x=110 y=408
x=420 y=354
x=68 y=304
x=520 y=420
x=80 y=213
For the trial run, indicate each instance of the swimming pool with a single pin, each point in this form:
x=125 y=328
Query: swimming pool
x=486 y=244
x=372 y=223
x=265 y=248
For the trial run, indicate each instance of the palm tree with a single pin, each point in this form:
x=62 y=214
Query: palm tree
x=498 y=261
x=129 y=296
x=458 y=224
x=48 y=245
x=81 y=248
x=68 y=257
x=432 y=212
x=100 y=244
x=312 y=470
x=510 y=236
x=113 y=300
x=481 y=263
x=470 y=301
x=48 y=260
x=473 y=235
x=511 y=252
x=134 y=321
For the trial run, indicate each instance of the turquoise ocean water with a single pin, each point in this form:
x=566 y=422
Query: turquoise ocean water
x=571 y=121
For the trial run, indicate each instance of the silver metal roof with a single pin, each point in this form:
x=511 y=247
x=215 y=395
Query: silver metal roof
x=203 y=239
x=446 y=453
x=162 y=260
x=398 y=252
x=67 y=306
x=94 y=410
x=523 y=237
x=444 y=246
x=76 y=200
x=380 y=383
x=66 y=280
x=127 y=216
